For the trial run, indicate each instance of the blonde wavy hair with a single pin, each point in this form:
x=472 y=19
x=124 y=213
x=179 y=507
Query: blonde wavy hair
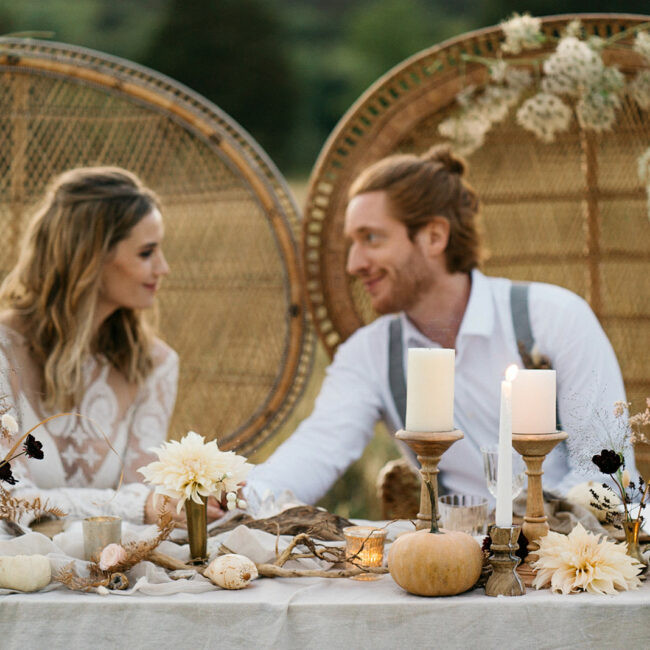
x=54 y=286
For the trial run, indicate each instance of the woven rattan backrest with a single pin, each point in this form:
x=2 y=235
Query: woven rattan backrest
x=233 y=304
x=572 y=212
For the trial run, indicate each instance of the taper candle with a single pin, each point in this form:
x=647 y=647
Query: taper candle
x=430 y=389
x=503 y=516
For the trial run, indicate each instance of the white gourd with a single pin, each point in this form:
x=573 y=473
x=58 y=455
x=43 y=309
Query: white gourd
x=24 y=572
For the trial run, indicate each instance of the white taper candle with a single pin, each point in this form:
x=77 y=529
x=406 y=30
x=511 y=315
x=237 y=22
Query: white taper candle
x=503 y=515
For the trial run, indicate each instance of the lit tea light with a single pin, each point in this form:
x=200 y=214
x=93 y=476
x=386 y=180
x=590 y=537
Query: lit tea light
x=100 y=532
x=365 y=545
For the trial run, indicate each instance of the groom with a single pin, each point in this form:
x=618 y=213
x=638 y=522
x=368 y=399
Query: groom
x=413 y=243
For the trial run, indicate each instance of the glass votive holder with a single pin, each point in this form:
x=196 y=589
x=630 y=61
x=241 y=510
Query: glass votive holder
x=99 y=532
x=366 y=545
x=464 y=512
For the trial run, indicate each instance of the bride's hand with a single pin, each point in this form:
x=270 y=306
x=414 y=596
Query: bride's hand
x=215 y=510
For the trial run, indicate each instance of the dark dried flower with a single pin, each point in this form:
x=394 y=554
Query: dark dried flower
x=6 y=475
x=608 y=461
x=33 y=448
x=487 y=542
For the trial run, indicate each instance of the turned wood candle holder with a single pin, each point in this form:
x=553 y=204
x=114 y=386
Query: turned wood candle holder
x=534 y=447
x=429 y=446
x=503 y=580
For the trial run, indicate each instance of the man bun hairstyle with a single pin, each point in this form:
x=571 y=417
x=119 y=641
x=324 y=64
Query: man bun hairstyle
x=443 y=154
x=430 y=185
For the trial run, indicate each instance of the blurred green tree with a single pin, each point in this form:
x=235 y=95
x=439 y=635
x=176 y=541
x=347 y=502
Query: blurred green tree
x=6 y=21
x=119 y=27
x=232 y=52
x=378 y=35
x=494 y=11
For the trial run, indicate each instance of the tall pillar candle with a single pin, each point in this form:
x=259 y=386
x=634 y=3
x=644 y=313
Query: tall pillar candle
x=503 y=515
x=430 y=389
x=534 y=402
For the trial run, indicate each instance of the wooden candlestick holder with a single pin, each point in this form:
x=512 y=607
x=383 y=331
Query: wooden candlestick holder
x=429 y=446
x=503 y=580
x=534 y=447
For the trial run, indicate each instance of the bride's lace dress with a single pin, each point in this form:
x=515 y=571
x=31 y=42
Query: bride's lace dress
x=80 y=472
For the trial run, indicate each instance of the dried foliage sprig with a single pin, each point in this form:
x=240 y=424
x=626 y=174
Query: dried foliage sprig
x=611 y=462
x=11 y=508
x=114 y=577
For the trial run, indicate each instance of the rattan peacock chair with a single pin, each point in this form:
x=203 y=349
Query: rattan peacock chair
x=233 y=306
x=572 y=212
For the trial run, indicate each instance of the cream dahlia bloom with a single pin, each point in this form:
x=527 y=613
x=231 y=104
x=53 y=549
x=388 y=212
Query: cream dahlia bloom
x=581 y=561
x=193 y=468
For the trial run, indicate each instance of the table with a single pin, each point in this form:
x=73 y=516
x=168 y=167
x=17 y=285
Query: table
x=318 y=613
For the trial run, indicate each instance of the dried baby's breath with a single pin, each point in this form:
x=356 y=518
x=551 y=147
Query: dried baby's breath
x=522 y=32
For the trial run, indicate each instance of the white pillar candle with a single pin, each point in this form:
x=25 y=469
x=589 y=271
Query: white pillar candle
x=533 y=402
x=430 y=389
x=503 y=515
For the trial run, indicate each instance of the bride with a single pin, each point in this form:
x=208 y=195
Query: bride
x=73 y=339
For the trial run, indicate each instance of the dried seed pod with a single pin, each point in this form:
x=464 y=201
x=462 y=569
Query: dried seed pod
x=118 y=581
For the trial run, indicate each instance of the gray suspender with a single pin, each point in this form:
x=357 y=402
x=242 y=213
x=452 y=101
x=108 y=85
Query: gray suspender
x=396 y=380
x=520 y=317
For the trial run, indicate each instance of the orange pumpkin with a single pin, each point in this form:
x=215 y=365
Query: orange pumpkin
x=442 y=563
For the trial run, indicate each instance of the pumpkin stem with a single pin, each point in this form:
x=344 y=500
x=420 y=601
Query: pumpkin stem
x=434 y=510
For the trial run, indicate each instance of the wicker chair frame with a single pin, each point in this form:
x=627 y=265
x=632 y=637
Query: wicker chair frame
x=235 y=312
x=532 y=193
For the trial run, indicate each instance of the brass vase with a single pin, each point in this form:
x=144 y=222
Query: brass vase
x=197 y=528
x=631 y=529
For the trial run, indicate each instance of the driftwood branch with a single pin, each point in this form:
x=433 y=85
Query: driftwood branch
x=274 y=571
x=317 y=523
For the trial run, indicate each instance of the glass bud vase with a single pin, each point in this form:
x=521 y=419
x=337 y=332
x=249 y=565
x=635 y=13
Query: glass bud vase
x=631 y=529
x=197 y=528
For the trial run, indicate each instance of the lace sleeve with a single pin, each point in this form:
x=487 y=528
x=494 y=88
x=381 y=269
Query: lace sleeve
x=149 y=419
x=152 y=412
